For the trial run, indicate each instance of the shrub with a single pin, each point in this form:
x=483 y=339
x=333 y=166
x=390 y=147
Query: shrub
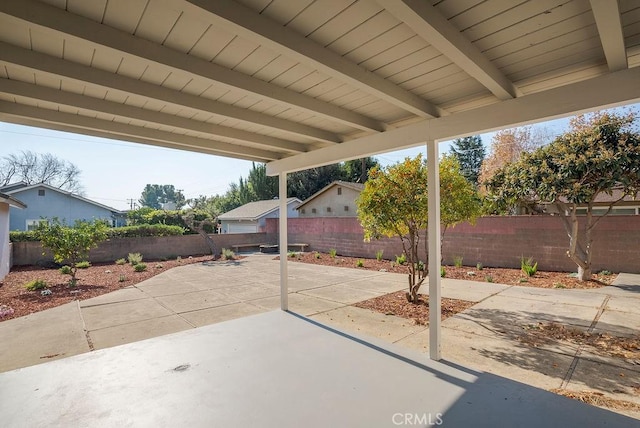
x=140 y=267
x=333 y=253
x=360 y=263
x=23 y=236
x=488 y=278
x=142 y=230
x=83 y=264
x=291 y=254
x=527 y=266
x=228 y=254
x=559 y=285
x=121 y=262
x=65 y=270
x=122 y=278
x=317 y=255
x=457 y=261
x=36 y=284
x=420 y=267
x=379 y=255
x=5 y=311
x=134 y=258
x=159 y=266
x=443 y=272
x=401 y=259
x=479 y=266
x=605 y=272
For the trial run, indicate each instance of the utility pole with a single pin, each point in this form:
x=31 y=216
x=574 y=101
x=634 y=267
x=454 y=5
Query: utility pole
x=132 y=202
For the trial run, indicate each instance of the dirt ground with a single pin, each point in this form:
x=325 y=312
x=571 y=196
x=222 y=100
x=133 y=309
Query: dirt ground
x=100 y=278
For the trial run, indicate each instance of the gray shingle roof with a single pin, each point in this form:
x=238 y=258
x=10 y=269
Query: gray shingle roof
x=254 y=210
x=359 y=187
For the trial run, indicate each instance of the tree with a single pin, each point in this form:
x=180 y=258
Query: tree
x=394 y=203
x=357 y=170
x=71 y=244
x=262 y=186
x=303 y=184
x=599 y=154
x=507 y=146
x=470 y=153
x=35 y=168
x=157 y=195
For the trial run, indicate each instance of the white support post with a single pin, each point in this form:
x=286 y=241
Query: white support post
x=434 y=249
x=283 y=244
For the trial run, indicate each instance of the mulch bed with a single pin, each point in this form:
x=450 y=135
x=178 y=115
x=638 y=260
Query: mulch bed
x=100 y=278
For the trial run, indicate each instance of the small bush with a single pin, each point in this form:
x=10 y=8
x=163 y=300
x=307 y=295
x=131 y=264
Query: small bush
x=122 y=278
x=333 y=253
x=443 y=272
x=605 y=272
x=65 y=270
x=521 y=280
x=360 y=263
x=83 y=265
x=134 y=258
x=142 y=230
x=159 y=266
x=559 y=285
x=121 y=262
x=479 y=266
x=527 y=267
x=317 y=255
x=457 y=261
x=36 y=284
x=401 y=259
x=23 y=236
x=228 y=254
x=379 y=255
x=420 y=266
x=488 y=278
x=291 y=254
x=5 y=311
x=140 y=267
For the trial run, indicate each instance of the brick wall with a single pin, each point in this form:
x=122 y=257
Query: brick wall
x=493 y=241
x=28 y=253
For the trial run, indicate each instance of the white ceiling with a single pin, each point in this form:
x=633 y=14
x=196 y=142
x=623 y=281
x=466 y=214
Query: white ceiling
x=302 y=83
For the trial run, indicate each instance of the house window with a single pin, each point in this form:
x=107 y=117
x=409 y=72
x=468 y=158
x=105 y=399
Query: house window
x=33 y=224
x=302 y=211
x=346 y=207
x=313 y=210
x=339 y=190
x=40 y=192
x=328 y=209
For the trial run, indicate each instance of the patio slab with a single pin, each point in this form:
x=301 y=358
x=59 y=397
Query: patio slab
x=473 y=291
x=135 y=331
x=112 y=314
x=341 y=294
x=208 y=316
x=122 y=295
x=619 y=323
x=165 y=287
x=323 y=377
x=550 y=295
x=193 y=301
x=298 y=303
x=49 y=335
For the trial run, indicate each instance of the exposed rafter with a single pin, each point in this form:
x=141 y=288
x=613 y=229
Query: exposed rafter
x=33 y=92
x=93 y=76
x=124 y=131
x=56 y=19
x=610 y=90
x=429 y=24
x=252 y=26
x=607 y=15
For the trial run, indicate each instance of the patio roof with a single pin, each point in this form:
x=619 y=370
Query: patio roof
x=293 y=82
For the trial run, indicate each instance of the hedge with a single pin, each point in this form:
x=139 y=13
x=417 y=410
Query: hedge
x=140 y=230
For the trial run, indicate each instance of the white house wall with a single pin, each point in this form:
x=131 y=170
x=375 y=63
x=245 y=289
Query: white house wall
x=331 y=199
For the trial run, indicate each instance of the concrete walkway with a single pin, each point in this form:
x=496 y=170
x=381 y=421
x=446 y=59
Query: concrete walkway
x=485 y=337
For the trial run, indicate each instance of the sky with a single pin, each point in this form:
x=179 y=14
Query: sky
x=113 y=172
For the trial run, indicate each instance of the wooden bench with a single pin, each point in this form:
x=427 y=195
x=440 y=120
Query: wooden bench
x=301 y=247
x=237 y=247
x=273 y=248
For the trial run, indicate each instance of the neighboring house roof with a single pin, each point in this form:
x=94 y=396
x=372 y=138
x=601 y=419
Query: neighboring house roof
x=358 y=187
x=604 y=198
x=11 y=201
x=23 y=187
x=254 y=210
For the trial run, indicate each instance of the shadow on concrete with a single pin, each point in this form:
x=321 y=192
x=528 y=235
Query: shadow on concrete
x=526 y=345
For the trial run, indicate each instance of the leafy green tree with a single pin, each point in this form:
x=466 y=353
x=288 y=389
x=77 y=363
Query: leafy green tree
x=156 y=195
x=303 y=184
x=262 y=186
x=357 y=170
x=394 y=203
x=470 y=153
x=71 y=244
x=599 y=154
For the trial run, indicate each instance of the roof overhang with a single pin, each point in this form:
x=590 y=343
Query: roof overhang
x=4 y=198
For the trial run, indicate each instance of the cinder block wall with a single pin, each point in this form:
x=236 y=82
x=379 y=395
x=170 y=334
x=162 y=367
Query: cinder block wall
x=493 y=241
x=29 y=253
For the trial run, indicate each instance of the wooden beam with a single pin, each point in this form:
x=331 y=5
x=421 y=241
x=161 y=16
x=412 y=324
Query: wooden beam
x=431 y=26
x=58 y=20
x=607 y=15
x=123 y=130
x=70 y=99
x=610 y=90
x=253 y=26
x=66 y=69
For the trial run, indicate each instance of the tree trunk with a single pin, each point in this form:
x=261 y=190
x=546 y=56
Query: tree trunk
x=584 y=274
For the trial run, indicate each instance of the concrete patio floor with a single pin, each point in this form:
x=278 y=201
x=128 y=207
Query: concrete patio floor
x=484 y=338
